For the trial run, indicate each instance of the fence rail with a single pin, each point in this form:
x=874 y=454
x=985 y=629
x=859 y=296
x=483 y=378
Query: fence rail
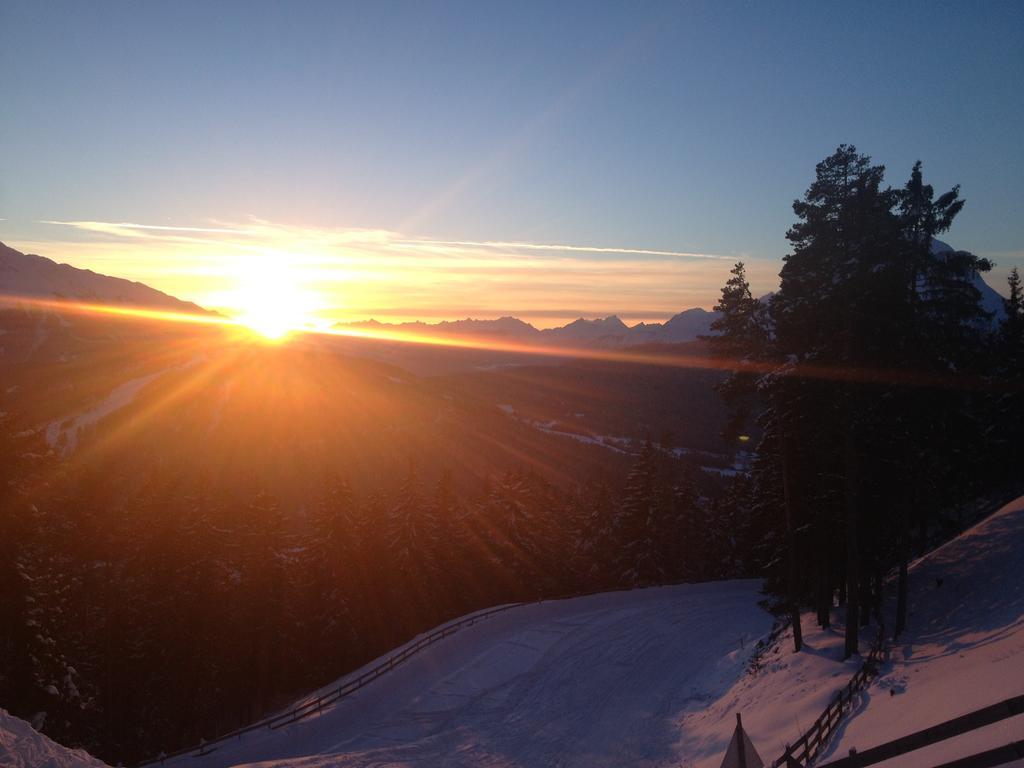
x=947 y=730
x=807 y=747
x=347 y=688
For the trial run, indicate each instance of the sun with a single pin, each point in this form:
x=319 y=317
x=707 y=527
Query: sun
x=270 y=326
x=270 y=301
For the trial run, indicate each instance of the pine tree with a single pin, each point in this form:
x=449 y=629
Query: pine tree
x=866 y=313
x=1009 y=365
x=639 y=511
x=1012 y=329
x=941 y=329
x=452 y=554
x=412 y=542
x=741 y=335
x=264 y=591
x=833 y=309
x=684 y=535
x=329 y=551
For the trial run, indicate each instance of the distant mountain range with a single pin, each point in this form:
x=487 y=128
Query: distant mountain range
x=688 y=325
x=610 y=331
x=25 y=275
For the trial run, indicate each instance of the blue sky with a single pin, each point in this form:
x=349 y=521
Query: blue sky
x=679 y=127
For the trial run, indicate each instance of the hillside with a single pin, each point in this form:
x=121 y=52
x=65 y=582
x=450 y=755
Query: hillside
x=29 y=276
x=206 y=403
x=593 y=681
x=964 y=648
x=652 y=677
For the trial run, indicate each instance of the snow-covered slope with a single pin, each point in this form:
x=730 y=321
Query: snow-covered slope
x=21 y=746
x=654 y=677
x=963 y=649
x=30 y=276
x=592 y=681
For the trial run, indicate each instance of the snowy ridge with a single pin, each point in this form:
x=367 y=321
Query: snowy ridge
x=21 y=746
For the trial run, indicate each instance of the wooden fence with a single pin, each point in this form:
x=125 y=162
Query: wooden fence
x=809 y=746
x=947 y=730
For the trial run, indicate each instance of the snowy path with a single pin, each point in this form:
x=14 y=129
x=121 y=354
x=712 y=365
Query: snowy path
x=594 y=681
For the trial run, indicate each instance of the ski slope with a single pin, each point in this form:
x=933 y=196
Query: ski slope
x=592 y=681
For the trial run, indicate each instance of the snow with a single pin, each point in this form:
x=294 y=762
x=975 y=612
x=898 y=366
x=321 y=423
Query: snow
x=551 y=428
x=654 y=678
x=21 y=746
x=119 y=397
x=723 y=471
x=591 y=681
x=964 y=648
x=778 y=702
x=64 y=432
x=604 y=441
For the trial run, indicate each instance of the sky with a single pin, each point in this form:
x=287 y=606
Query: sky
x=439 y=160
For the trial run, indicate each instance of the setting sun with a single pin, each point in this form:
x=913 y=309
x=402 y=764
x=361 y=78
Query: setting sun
x=270 y=301
x=271 y=326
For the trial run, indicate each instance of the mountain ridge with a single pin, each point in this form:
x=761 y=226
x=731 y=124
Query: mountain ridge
x=610 y=331
x=30 y=276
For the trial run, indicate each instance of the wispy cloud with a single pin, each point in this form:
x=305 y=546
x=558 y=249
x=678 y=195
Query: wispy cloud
x=123 y=226
x=570 y=248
